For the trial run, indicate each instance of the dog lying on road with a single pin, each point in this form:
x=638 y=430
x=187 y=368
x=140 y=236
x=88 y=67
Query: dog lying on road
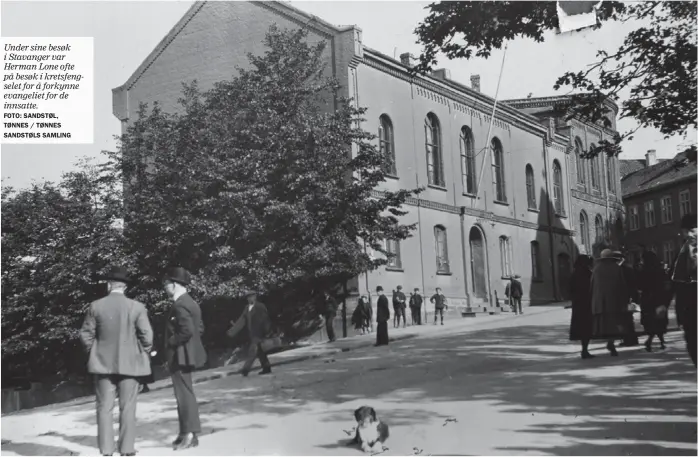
x=371 y=433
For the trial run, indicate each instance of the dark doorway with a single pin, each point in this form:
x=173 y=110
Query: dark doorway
x=564 y=272
x=478 y=263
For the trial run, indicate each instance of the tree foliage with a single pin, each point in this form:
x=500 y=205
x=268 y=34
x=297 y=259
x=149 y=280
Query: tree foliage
x=55 y=239
x=652 y=74
x=253 y=184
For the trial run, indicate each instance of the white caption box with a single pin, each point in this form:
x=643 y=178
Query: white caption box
x=47 y=90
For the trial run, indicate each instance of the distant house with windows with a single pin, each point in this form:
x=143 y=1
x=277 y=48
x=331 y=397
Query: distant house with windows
x=656 y=196
x=516 y=199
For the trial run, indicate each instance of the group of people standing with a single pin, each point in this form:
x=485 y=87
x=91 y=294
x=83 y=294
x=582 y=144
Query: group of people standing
x=362 y=318
x=118 y=337
x=602 y=292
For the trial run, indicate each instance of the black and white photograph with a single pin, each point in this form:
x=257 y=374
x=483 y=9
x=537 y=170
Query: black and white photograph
x=346 y=228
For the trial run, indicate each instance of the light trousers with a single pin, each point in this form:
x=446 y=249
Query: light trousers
x=107 y=387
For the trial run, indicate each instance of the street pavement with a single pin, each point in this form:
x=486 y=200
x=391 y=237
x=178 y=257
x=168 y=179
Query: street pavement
x=495 y=385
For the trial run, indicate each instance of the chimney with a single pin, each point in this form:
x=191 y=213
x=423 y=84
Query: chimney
x=441 y=73
x=407 y=59
x=651 y=158
x=475 y=82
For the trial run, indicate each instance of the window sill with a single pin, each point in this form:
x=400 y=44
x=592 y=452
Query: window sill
x=435 y=187
x=392 y=176
x=395 y=269
x=561 y=215
x=444 y=273
x=501 y=202
x=507 y=278
x=468 y=194
x=533 y=210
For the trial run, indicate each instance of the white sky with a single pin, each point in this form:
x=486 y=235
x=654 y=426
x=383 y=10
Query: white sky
x=126 y=32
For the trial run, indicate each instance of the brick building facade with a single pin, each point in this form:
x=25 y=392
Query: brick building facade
x=522 y=220
x=656 y=197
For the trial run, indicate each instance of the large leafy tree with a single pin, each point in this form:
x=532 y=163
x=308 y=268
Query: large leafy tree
x=56 y=239
x=652 y=75
x=264 y=181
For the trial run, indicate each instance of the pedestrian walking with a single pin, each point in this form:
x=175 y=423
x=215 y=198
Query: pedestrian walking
x=684 y=281
x=362 y=315
x=255 y=320
x=382 y=318
x=184 y=353
x=655 y=298
x=416 y=301
x=117 y=335
x=439 y=301
x=514 y=291
x=581 y=322
x=399 y=307
x=609 y=300
x=330 y=313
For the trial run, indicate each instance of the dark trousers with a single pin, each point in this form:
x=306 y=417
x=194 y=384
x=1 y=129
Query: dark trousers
x=399 y=311
x=438 y=312
x=416 y=315
x=686 y=308
x=254 y=350
x=329 y=326
x=107 y=387
x=516 y=305
x=187 y=406
x=382 y=334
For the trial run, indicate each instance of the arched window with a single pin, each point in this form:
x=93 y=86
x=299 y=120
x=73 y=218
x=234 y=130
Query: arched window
x=579 y=150
x=594 y=170
x=530 y=188
x=467 y=159
x=558 y=197
x=535 y=260
x=584 y=230
x=611 y=174
x=505 y=255
x=442 y=265
x=598 y=222
x=500 y=189
x=435 y=166
x=387 y=145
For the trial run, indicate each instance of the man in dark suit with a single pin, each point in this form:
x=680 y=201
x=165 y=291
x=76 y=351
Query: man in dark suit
x=399 y=307
x=118 y=337
x=254 y=319
x=416 y=301
x=330 y=314
x=439 y=301
x=185 y=353
x=514 y=291
x=382 y=318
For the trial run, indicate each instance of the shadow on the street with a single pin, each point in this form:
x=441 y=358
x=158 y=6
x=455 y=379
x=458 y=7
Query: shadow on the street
x=527 y=369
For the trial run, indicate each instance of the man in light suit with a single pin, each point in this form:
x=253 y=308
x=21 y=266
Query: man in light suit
x=118 y=337
x=255 y=319
x=184 y=353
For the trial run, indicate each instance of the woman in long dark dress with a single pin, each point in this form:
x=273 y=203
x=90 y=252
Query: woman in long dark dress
x=655 y=299
x=580 y=291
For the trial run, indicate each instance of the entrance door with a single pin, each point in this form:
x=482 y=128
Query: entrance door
x=478 y=263
x=564 y=272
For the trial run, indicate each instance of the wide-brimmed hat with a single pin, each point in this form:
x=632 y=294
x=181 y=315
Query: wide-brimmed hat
x=607 y=254
x=247 y=292
x=178 y=275
x=116 y=274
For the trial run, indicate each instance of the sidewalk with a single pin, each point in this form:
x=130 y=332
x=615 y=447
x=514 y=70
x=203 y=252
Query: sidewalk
x=319 y=350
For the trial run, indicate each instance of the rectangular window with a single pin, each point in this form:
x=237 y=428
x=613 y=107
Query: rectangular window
x=649 y=214
x=665 y=203
x=669 y=252
x=393 y=248
x=684 y=203
x=442 y=265
x=506 y=256
x=634 y=220
x=535 y=260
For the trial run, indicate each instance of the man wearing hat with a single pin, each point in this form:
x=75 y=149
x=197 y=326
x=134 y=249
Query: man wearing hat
x=255 y=319
x=184 y=353
x=118 y=337
x=399 y=307
x=685 y=278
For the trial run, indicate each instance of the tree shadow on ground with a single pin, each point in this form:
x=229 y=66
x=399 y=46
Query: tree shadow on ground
x=526 y=369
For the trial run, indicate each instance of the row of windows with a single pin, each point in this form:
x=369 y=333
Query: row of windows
x=435 y=166
x=668 y=252
x=594 y=169
x=558 y=199
x=666 y=211
x=442 y=263
x=584 y=229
